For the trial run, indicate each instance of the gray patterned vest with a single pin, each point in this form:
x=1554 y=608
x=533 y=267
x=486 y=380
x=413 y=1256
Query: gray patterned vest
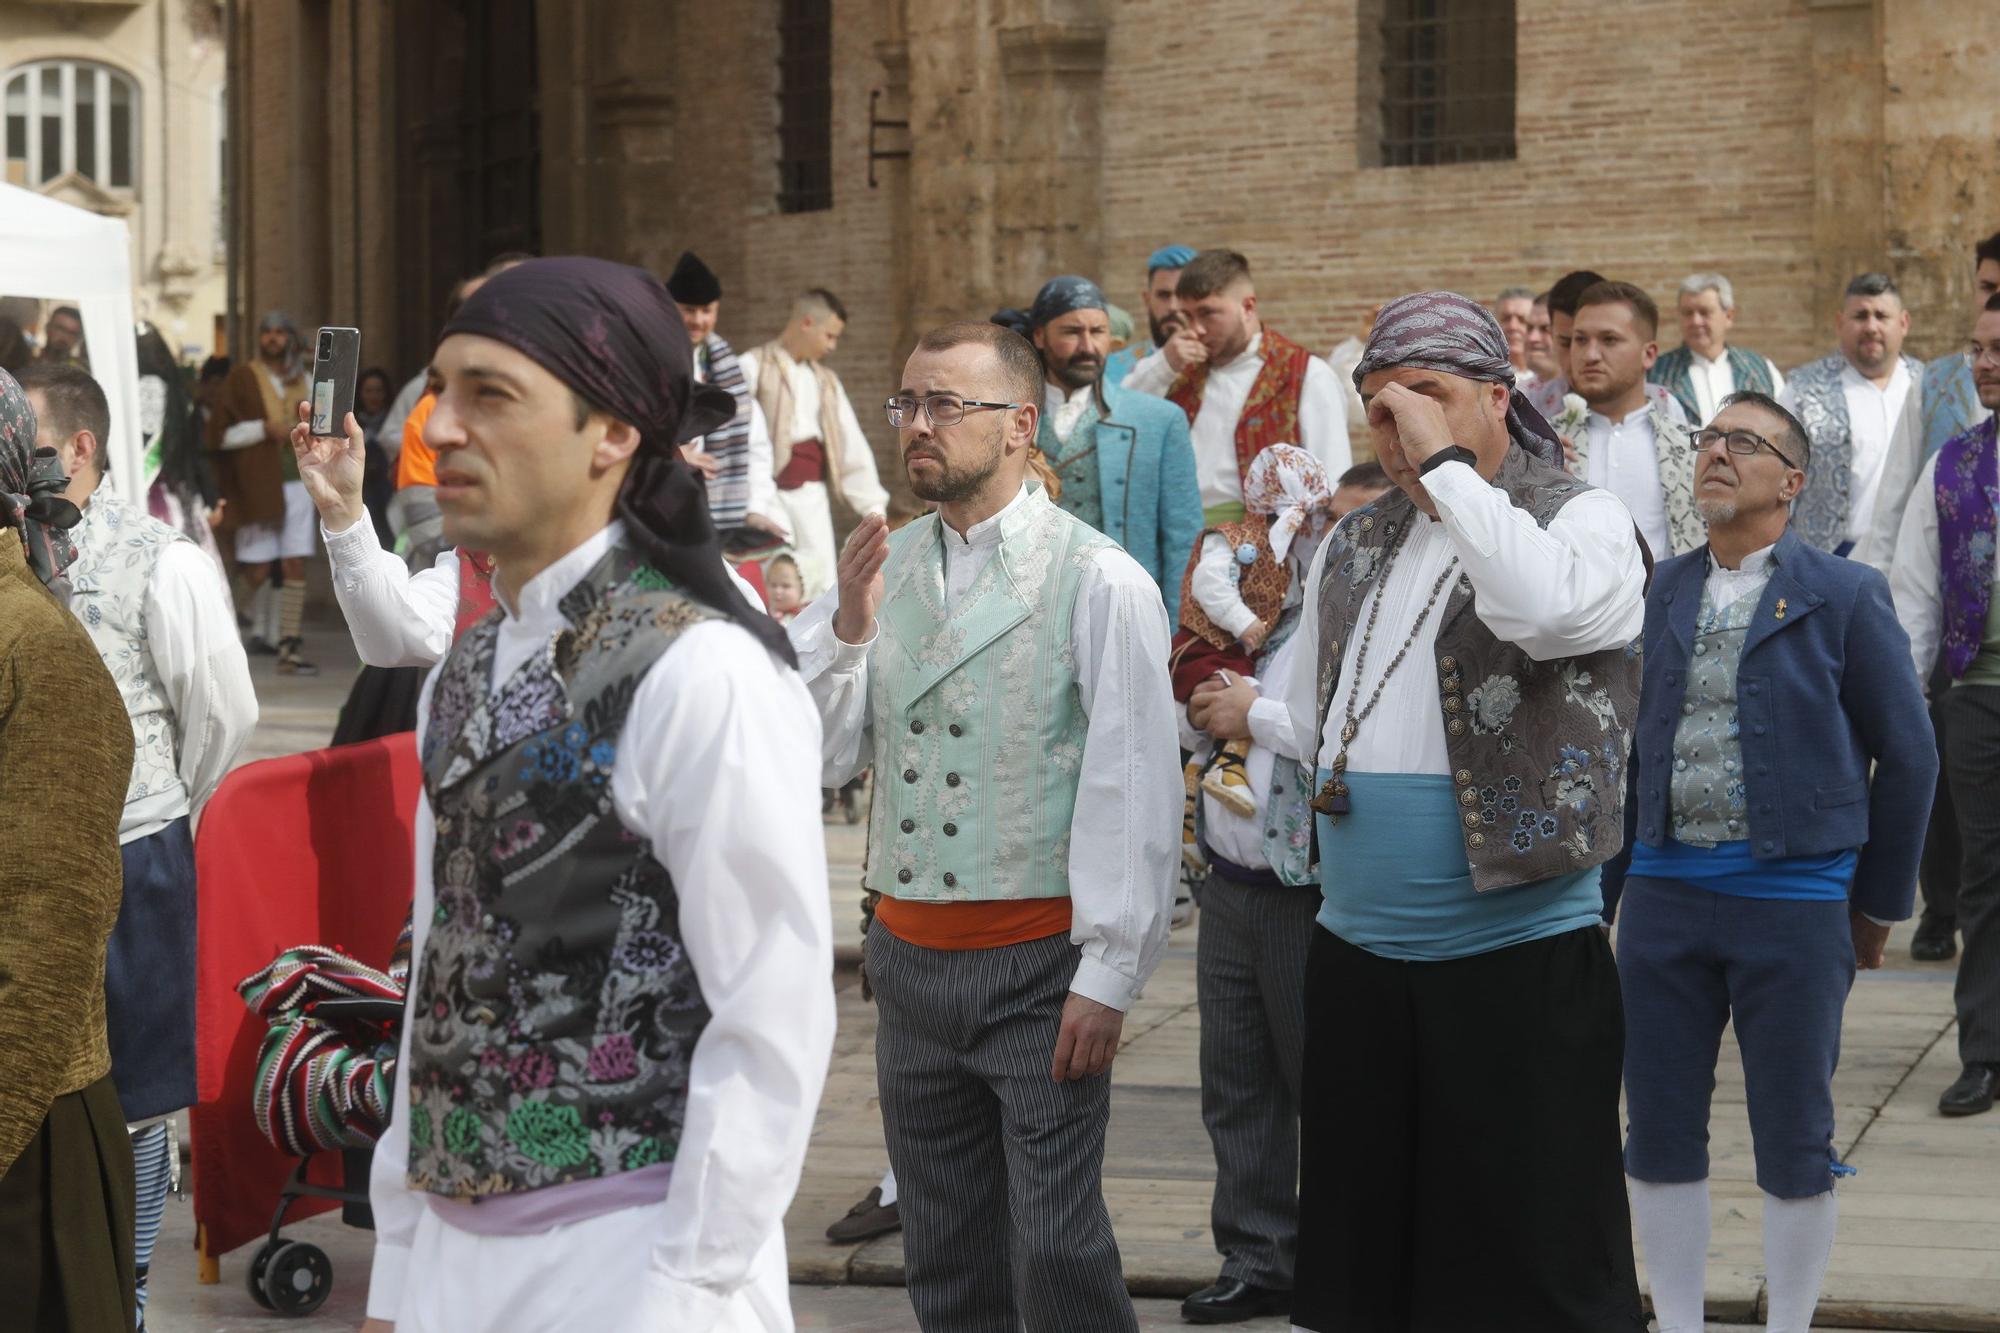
x=1710 y=801
x=1820 y=513
x=555 y=1011
x=1549 y=740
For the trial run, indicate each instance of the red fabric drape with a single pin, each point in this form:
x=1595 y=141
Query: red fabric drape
x=313 y=848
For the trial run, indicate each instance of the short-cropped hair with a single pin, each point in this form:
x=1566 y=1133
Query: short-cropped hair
x=1367 y=476
x=1872 y=284
x=71 y=401
x=1211 y=271
x=1625 y=294
x=1562 y=296
x=1020 y=363
x=818 y=303
x=1796 y=442
x=1514 y=294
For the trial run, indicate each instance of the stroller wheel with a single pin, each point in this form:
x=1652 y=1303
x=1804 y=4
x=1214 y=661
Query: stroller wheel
x=298 y=1278
x=253 y=1276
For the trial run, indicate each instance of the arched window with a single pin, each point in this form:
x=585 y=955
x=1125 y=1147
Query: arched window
x=71 y=115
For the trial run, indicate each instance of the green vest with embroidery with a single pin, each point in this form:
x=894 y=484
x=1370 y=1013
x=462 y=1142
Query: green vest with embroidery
x=978 y=724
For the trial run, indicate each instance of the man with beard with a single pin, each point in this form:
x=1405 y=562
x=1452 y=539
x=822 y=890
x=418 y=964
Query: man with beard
x=1003 y=667
x=1124 y=461
x=1546 y=394
x=1850 y=402
x=1770 y=857
x=1944 y=576
x=1242 y=385
x=259 y=477
x=1163 y=311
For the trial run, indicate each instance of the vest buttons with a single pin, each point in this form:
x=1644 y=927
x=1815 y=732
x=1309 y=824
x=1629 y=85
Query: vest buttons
x=917 y=727
x=1464 y=776
x=909 y=826
x=909 y=775
x=1452 y=703
x=1475 y=839
x=1752 y=687
x=1456 y=726
x=1448 y=663
x=951 y=779
x=1471 y=819
x=1451 y=683
x=904 y=876
x=950 y=880
x=1468 y=797
x=951 y=830
x=955 y=729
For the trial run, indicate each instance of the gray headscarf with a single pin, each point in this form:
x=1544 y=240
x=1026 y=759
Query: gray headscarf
x=278 y=319
x=1454 y=334
x=31 y=491
x=1061 y=295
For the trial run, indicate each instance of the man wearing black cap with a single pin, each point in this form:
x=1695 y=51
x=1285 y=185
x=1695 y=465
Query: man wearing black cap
x=621 y=1012
x=736 y=457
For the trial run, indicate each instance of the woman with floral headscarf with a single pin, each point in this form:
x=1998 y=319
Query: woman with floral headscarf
x=66 y=1195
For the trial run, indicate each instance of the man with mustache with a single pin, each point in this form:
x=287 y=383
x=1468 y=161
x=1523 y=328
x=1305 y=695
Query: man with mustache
x=1004 y=669
x=1944 y=577
x=1785 y=773
x=1164 y=318
x=1123 y=459
x=1849 y=402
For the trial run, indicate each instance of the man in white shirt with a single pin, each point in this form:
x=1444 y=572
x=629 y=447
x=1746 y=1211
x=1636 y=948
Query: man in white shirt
x=155 y=606
x=1630 y=446
x=1850 y=402
x=1538 y=345
x=1243 y=386
x=1511 y=311
x=607 y=1078
x=1161 y=296
x=1548 y=391
x=1003 y=668
x=1705 y=368
x=819 y=452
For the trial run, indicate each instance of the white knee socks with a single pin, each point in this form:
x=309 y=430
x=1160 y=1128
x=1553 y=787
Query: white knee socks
x=1672 y=1222
x=1798 y=1240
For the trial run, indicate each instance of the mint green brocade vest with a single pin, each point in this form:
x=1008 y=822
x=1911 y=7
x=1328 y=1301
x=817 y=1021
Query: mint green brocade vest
x=978 y=724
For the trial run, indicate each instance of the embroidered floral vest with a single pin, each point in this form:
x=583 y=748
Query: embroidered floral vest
x=1820 y=513
x=117 y=549
x=978 y=725
x=554 y=1012
x=1270 y=412
x=1968 y=505
x=1710 y=798
x=1538 y=749
x=1262 y=581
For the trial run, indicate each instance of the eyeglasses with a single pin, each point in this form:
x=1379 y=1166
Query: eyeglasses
x=944 y=409
x=1738 y=442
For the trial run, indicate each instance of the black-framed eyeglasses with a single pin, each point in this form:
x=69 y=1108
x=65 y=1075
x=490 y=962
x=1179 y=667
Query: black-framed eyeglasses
x=1742 y=442
x=944 y=409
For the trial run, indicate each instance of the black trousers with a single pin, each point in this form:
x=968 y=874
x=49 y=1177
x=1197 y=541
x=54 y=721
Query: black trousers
x=1938 y=873
x=1972 y=759
x=1460 y=1146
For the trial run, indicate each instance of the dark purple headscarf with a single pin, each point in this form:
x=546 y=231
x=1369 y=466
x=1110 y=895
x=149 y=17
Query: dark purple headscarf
x=1451 y=333
x=613 y=334
x=31 y=491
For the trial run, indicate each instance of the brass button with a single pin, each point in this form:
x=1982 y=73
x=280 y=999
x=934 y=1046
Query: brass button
x=909 y=775
x=1468 y=797
x=1453 y=703
x=1451 y=682
x=951 y=830
x=904 y=876
x=1475 y=840
x=1456 y=726
x=951 y=779
x=1464 y=776
x=1367 y=522
x=950 y=880
x=917 y=727
x=1448 y=663
x=909 y=826
x=1471 y=819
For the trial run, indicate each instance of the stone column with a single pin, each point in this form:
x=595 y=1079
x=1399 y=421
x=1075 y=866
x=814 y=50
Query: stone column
x=1849 y=231
x=1050 y=217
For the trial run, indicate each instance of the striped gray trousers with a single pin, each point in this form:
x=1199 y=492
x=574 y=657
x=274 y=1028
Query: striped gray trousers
x=1250 y=967
x=999 y=1169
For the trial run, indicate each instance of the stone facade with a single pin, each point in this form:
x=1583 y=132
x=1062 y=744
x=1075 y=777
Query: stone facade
x=173 y=52
x=1786 y=144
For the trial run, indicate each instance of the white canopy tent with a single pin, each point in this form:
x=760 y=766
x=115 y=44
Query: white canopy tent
x=53 y=251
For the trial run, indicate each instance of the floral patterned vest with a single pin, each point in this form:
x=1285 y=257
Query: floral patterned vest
x=1270 y=412
x=117 y=548
x=1820 y=513
x=1262 y=580
x=1548 y=740
x=978 y=724
x=1710 y=798
x=1968 y=505
x=554 y=1012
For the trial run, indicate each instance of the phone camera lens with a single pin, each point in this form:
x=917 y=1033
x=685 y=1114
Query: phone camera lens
x=326 y=344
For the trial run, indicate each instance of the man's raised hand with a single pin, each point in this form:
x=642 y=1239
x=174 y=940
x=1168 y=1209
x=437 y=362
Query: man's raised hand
x=332 y=466
x=860 y=579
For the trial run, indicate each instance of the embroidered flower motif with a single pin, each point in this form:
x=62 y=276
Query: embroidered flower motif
x=646 y=1152
x=531 y=1071
x=648 y=951
x=1512 y=784
x=1576 y=792
x=613 y=1060
x=1493 y=703
x=1523 y=841
x=420 y=1126
x=461 y=1132
x=551 y=1135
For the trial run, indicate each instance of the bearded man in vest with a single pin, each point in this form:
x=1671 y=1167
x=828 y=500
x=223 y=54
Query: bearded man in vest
x=621 y=1011
x=1471 y=719
x=818 y=451
x=1243 y=386
x=1003 y=666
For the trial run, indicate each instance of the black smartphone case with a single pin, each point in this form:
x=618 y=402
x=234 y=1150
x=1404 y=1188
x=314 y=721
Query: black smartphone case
x=336 y=365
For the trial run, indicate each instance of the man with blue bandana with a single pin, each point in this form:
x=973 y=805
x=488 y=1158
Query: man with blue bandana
x=1163 y=311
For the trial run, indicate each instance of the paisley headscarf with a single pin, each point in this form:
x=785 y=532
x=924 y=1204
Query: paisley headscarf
x=1060 y=295
x=1451 y=333
x=31 y=491
x=1291 y=486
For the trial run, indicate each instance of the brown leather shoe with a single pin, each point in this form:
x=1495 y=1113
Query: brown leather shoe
x=865 y=1221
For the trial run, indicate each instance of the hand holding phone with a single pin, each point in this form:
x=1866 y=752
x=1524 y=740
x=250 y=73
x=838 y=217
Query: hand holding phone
x=336 y=366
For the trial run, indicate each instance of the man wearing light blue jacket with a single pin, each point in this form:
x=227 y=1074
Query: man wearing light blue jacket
x=1124 y=460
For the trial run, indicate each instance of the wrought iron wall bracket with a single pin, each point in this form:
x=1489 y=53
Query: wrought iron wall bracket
x=876 y=123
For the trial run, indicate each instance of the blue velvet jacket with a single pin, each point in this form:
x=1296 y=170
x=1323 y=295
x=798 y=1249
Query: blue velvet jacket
x=1825 y=690
x=1145 y=471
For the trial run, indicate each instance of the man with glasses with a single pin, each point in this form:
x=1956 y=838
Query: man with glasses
x=1003 y=668
x=1785 y=772
x=1944 y=576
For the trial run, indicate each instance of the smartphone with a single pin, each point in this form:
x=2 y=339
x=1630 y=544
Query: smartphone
x=336 y=365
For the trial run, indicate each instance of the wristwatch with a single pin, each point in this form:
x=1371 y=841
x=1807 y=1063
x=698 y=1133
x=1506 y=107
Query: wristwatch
x=1456 y=453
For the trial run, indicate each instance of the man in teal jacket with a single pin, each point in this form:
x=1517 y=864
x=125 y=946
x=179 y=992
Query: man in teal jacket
x=1126 y=466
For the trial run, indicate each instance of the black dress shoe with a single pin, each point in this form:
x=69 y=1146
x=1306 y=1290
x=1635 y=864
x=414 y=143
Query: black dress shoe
x=866 y=1220
x=1972 y=1094
x=1936 y=939
x=1232 y=1300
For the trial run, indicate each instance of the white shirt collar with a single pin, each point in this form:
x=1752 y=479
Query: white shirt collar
x=1757 y=562
x=1054 y=395
x=1849 y=375
x=986 y=532
x=1636 y=414
x=541 y=596
x=1713 y=363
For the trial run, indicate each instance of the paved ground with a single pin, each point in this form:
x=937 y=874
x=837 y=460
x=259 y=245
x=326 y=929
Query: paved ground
x=1919 y=1243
